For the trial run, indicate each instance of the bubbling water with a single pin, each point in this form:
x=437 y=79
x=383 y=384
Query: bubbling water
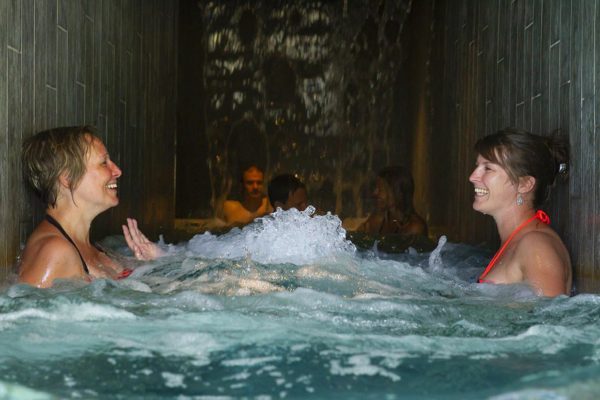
x=291 y=236
x=287 y=307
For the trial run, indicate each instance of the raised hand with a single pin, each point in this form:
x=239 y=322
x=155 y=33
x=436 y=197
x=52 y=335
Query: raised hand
x=142 y=248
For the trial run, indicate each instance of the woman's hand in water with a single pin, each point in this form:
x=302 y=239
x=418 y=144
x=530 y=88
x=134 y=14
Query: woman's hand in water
x=142 y=248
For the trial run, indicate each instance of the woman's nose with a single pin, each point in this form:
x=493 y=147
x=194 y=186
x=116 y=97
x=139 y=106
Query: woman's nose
x=116 y=171
x=474 y=176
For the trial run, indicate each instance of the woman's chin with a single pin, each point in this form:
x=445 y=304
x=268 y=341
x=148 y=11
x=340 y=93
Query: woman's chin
x=113 y=203
x=477 y=206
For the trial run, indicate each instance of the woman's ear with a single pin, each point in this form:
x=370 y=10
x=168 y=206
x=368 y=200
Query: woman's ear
x=63 y=180
x=526 y=184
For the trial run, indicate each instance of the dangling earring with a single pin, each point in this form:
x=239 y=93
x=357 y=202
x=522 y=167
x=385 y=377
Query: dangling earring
x=519 y=199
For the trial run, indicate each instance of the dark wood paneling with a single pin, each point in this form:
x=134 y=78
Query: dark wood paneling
x=90 y=62
x=4 y=189
x=542 y=78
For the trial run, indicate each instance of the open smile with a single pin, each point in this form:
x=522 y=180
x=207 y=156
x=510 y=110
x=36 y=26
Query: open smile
x=481 y=191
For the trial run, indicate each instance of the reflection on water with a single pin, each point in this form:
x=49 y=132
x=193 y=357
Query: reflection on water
x=288 y=308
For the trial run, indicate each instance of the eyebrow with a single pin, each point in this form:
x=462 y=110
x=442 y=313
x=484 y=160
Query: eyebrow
x=486 y=162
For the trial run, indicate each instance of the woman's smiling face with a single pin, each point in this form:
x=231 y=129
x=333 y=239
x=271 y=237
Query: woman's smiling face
x=492 y=185
x=98 y=186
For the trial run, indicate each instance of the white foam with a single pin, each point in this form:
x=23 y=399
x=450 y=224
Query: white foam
x=15 y=391
x=248 y=362
x=173 y=380
x=282 y=237
x=531 y=394
x=70 y=312
x=361 y=365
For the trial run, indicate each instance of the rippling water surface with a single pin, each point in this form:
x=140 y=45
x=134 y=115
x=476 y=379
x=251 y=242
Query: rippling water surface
x=287 y=308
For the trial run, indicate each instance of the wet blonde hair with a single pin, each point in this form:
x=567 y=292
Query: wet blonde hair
x=47 y=155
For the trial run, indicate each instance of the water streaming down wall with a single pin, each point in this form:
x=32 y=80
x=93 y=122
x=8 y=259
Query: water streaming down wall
x=306 y=87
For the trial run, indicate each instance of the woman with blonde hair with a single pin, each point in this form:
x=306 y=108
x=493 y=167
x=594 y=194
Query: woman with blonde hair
x=71 y=171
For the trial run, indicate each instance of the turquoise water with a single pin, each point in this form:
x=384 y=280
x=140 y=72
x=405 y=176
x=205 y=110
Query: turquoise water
x=287 y=308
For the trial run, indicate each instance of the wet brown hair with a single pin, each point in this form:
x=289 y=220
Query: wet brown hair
x=48 y=154
x=522 y=153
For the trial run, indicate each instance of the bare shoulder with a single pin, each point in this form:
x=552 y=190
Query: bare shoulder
x=232 y=210
x=231 y=206
x=47 y=257
x=546 y=240
x=545 y=262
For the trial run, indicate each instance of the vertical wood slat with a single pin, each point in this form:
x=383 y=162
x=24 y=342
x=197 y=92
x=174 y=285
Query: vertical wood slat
x=587 y=150
x=527 y=65
x=516 y=64
x=536 y=68
x=576 y=233
x=594 y=132
x=27 y=111
x=72 y=63
x=561 y=197
x=13 y=145
x=5 y=27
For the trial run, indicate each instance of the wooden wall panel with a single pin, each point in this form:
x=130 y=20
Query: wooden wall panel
x=538 y=66
x=4 y=190
x=108 y=63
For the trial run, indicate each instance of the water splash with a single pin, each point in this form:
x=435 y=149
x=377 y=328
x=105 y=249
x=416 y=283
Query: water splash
x=435 y=258
x=292 y=236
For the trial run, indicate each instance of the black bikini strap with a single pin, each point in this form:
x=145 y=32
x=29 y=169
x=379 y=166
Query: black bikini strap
x=54 y=222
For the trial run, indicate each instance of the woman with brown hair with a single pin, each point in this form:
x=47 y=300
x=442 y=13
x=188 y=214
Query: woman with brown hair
x=513 y=175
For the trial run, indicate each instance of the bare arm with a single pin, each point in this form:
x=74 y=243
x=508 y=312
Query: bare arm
x=142 y=248
x=545 y=263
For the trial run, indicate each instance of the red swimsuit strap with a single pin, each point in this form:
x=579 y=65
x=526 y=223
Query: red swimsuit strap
x=542 y=216
x=125 y=273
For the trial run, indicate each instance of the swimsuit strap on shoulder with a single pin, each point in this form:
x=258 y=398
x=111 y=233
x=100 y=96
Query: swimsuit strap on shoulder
x=58 y=226
x=539 y=214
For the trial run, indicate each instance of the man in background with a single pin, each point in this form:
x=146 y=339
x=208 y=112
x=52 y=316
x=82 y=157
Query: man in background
x=254 y=203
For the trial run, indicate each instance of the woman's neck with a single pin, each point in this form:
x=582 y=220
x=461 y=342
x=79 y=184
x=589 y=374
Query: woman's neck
x=73 y=221
x=510 y=219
